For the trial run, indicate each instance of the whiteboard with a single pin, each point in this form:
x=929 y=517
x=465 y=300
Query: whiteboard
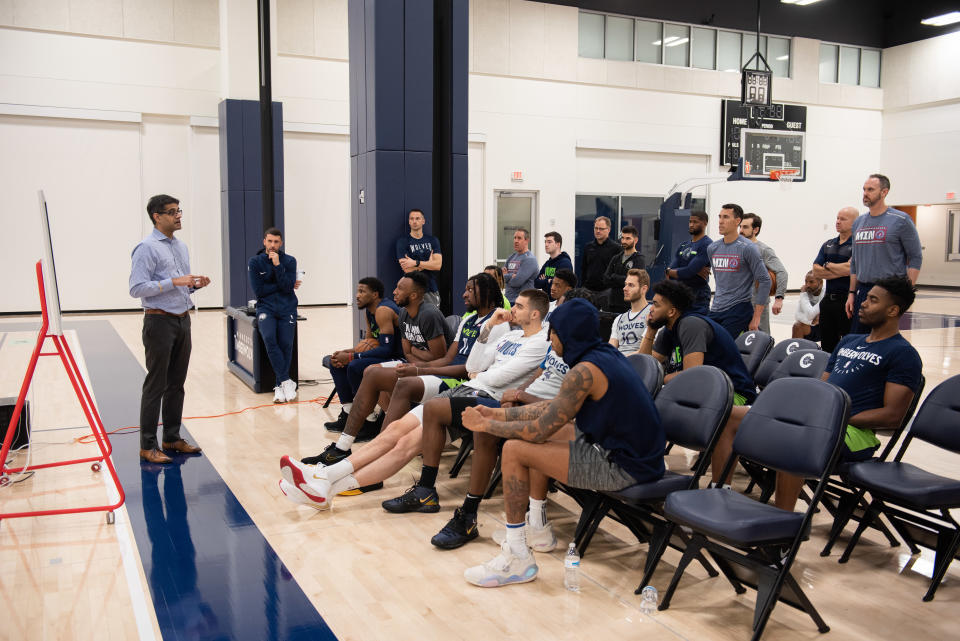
x=49 y=271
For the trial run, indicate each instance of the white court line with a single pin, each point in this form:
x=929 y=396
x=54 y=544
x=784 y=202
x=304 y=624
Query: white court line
x=141 y=605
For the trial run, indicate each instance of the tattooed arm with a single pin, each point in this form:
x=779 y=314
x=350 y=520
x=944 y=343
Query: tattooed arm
x=537 y=422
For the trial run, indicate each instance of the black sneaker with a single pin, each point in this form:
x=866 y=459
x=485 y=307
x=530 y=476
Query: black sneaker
x=339 y=424
x=458 y=530
x=329 y=456
x=370 y=429
x=363 y=489
x=416 y=499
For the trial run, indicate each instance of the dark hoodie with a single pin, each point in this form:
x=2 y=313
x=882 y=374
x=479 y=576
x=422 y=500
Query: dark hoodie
x=624 y=421
x=548 y=271
x=273 y=284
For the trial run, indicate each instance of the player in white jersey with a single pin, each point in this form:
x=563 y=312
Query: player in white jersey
x=629 y=326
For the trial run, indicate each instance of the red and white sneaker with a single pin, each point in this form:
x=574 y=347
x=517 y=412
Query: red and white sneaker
x=293 y=494
x=309 y=480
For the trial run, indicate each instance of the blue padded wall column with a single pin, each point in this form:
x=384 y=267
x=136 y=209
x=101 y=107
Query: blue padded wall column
x=407 y=108
x=241 y=194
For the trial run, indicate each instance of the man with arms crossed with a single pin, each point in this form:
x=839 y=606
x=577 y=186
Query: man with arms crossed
x=417 y=252
x=832 y=264
x=380 y=343
x=691 y=266
x=401 y=437
x=520 y=268
x=273 y=277
x=885 y=243
x=557 y=260
x=160 y=277
x=616 y=273
x=750 y=229
x=619 y=439
x=737 y=265
x=629 y=327
x=596 y=256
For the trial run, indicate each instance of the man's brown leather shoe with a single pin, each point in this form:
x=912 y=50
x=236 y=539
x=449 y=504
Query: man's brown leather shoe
x=182 y=446
x=155 y=456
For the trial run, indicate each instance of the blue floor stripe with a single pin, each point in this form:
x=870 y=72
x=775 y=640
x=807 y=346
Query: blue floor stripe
x=211 y=573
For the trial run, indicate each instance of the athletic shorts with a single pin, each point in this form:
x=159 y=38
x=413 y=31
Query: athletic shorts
x=590 y=468
x=434 y=385
x=461 y=397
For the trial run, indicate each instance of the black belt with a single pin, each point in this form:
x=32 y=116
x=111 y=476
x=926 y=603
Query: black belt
x=165 y=313
x=836 y=297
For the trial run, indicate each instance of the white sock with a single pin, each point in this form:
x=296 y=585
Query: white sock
x=517 y=539
x=345 y=442
x=538 y=513
x=346 y=407
x=339 y=470
x=372 y=416
x=725 y=486
x=344 y=484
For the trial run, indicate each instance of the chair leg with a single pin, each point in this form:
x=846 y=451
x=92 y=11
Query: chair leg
x=947 y=544
x=845 y=509
x=693 y=547
x=494 y=480
x=868 y=516
x=466 y=446
x=330 y=396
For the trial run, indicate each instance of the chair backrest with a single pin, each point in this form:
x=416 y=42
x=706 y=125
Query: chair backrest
x=803 y=363
x=649 y=370
x=898 y=431
x=453 y=324
x=753 y=348
x=779 y=352
x=695 y=403
x=938 y=419
x=796 y=426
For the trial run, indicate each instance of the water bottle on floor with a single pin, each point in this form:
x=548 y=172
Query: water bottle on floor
x=571 y=569
x=648 y=600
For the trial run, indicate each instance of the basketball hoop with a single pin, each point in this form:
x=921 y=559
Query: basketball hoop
x=785 y=176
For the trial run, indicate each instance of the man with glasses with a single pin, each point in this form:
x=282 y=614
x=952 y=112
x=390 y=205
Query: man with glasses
x=160 y=277
x=596 y=257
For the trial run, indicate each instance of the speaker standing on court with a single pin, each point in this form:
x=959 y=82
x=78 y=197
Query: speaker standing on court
x=160 y=277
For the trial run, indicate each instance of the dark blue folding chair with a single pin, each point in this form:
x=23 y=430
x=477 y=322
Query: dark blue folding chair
x=917 y=503
x=803 y=363
x=780 y=351
x=754 y=347
x=649 y=370
x=795 y=426
x=693 y=410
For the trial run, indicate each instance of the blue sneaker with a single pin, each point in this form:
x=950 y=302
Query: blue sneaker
x=458 y=530
x=416 y=499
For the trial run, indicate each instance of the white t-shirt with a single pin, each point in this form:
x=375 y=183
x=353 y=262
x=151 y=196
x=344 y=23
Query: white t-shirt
x=628 y=329
x=809 y=306
x=506 y=359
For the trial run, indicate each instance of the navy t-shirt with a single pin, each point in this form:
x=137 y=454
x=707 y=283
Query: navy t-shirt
x=419 y=249
x=862 y=369
x=375 y=329
x=833 y=251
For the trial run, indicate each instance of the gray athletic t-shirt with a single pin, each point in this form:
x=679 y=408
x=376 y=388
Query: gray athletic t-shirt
x=884 y=246
x=425 y=326
x=735 y=268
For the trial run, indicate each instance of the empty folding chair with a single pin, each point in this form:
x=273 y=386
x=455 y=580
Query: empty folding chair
x=917 y=503
x=453 y=324
x=780 y=351
x=754 y=347
x=803 y=363
x=649 y=370
x=796 y=426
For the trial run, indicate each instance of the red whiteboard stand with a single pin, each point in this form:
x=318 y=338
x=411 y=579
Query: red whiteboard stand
x=61 y=349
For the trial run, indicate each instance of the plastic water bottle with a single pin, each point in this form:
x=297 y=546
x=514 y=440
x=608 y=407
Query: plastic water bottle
x=571 y=569
x=648 y=600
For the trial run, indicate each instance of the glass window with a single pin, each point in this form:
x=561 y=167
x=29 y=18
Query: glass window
x=649 y=35
x=676 y=45
x=849 y=65
x=828 y=63
x=750 y=48
x=642 y=212
x=778 y=56
x=704 y=48
x=728 y=51
x=619 y=38
x=514 y=211
x=591 y=35
x=869 y=67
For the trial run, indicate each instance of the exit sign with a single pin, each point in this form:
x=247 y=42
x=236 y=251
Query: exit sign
x=517 y=176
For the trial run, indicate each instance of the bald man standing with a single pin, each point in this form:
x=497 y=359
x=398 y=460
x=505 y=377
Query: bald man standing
x=832 y=264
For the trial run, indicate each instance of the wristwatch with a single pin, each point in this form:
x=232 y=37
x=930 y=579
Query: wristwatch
x=778 y=297
x=418 y=262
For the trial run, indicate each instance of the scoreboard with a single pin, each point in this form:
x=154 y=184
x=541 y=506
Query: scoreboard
x=735 y=117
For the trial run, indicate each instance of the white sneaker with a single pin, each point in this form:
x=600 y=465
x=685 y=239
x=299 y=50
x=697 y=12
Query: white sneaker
x=278 y=395
x=538 y=539
x=310 y=480
x=293 y=494
x=289 y=389
x=503 y=569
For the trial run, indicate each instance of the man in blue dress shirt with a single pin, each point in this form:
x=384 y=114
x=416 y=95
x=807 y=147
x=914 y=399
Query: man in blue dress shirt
x=160 y=277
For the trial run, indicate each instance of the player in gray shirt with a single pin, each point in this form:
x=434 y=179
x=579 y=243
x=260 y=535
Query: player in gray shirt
x=750 y=229
x=737 y=265
x=885 y=244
